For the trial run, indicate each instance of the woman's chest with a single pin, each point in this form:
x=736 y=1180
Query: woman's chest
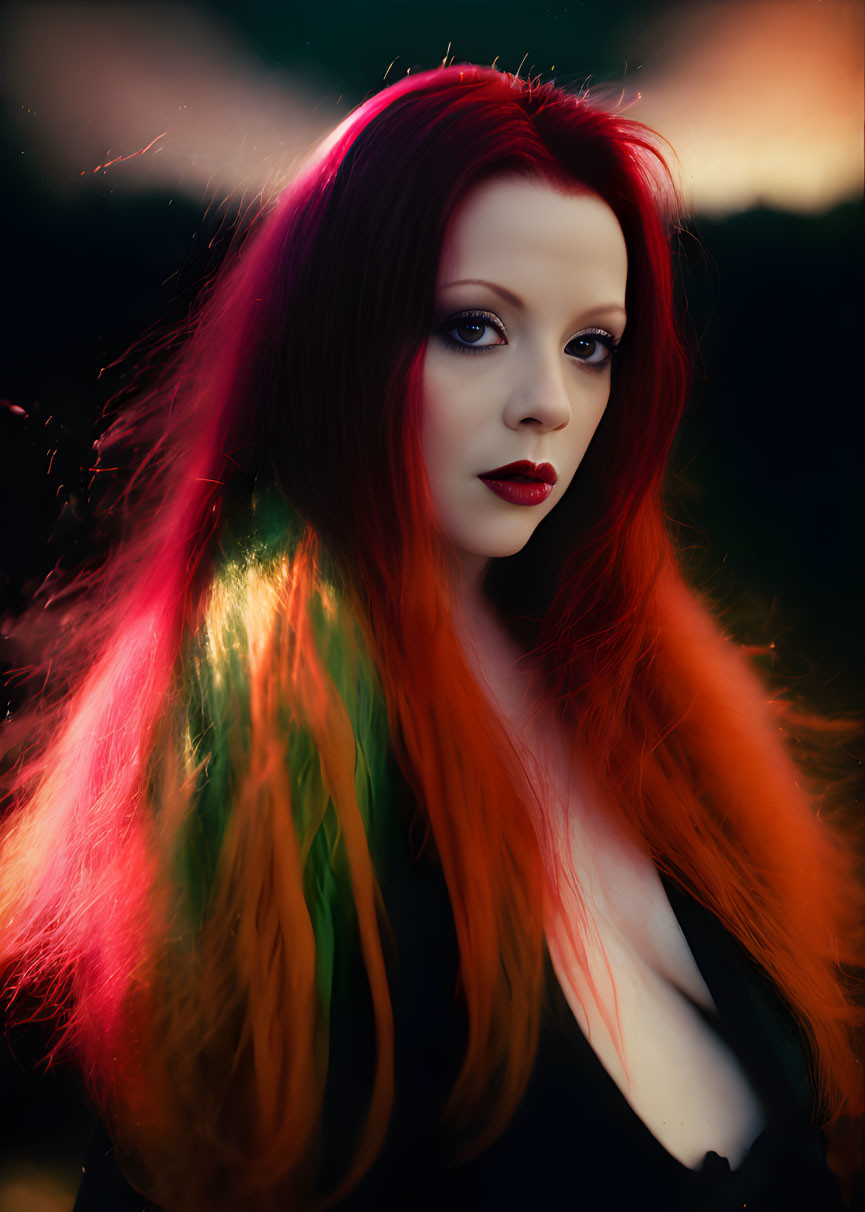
x=573 y=1129
x=636 y=990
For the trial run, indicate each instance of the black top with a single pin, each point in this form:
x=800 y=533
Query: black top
x=574 y=1142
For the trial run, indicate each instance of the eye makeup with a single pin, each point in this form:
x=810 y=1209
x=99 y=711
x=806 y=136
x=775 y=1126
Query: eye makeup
x=603 y=341
x=598 y=340
x=470 y=319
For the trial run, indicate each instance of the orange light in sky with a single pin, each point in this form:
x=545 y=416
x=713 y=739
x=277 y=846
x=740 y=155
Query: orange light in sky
x=761 y=99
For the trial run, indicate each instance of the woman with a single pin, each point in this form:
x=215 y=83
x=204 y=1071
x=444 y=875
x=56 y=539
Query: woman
x=401 y=831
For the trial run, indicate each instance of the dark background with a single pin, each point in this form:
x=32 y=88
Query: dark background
x=765 y=486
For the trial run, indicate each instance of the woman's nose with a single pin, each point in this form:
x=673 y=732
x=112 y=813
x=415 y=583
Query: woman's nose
x=538 y=393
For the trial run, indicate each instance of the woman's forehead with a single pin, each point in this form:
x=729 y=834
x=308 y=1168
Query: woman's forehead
x=526 y=233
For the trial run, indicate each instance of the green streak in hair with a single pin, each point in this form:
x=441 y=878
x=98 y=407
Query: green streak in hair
x=215 y=694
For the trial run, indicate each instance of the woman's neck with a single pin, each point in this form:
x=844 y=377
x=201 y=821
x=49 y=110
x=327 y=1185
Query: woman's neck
x=495 y=658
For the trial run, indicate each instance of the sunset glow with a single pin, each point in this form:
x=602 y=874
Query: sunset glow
x=762 y=101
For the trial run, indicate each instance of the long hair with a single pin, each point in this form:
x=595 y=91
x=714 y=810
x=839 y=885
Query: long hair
x=193 y=799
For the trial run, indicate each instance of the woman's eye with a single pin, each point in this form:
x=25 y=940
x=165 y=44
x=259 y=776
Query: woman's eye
x=468 y=331
x=593 y=348
x=475 y=331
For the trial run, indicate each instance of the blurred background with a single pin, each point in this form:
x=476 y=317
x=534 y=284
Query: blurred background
x=134 y=138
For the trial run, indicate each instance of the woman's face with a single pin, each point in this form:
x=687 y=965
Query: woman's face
x=530 y=302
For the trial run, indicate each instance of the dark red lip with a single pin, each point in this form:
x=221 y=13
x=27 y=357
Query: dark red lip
x=545 y=473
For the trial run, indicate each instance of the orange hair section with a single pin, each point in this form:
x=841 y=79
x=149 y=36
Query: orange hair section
x=227 y=1043
x=692 y=755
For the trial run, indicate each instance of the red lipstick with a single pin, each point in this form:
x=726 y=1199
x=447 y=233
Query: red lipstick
x=521 y=483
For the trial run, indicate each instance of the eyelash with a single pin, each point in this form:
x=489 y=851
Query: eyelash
x=443 y=330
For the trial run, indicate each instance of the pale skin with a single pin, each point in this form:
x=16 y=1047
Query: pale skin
x=535 y=277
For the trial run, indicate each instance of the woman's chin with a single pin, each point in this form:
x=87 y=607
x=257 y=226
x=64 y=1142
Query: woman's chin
x=495 y=547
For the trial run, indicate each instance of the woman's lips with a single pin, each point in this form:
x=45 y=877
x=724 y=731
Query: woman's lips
x=521 y=483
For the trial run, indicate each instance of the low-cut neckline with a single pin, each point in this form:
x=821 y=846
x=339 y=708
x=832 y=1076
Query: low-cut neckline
x=712 y=1161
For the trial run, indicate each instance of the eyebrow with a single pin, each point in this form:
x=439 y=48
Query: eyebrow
x=516 y=301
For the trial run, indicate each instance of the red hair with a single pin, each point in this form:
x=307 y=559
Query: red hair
x=312 y=340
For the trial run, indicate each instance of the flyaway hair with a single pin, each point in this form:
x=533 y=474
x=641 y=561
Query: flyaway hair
x=194 y=802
